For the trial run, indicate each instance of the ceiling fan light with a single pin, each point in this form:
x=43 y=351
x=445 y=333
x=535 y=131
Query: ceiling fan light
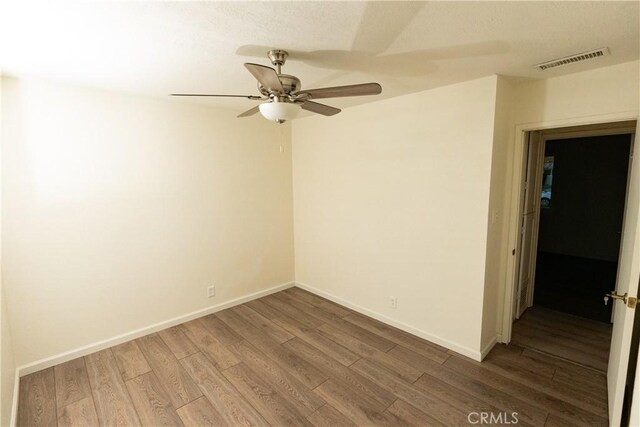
x=279 y=111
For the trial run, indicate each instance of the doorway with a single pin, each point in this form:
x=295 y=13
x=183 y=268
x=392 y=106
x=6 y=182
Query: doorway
x=556 y=330
x=580 y=224
x=572 y=215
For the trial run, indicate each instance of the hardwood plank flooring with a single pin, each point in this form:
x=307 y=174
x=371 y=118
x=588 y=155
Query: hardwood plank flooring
x=130 y=360
x=151 y=401
x=37 y=404
x=72 y=382
x=294 y=358
x=79 y=413
x=582 y=341
x=112 y=402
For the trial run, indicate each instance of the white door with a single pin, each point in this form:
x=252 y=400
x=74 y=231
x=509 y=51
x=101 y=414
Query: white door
x=529 y=211
x=628 y=277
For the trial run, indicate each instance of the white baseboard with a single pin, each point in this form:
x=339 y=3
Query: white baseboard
x=487 y=348
x=119 y=339
x=466 y=351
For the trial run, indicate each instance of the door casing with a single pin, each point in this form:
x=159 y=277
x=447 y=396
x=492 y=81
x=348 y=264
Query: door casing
x=571 y=128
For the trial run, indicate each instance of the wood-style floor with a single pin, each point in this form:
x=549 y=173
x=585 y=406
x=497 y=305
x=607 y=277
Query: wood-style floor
x=580 y=340
x=295 y=359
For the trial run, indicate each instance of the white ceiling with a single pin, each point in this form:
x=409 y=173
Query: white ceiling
x=156 y=48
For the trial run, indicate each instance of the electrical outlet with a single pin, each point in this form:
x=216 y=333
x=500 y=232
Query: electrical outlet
x=393 y=301
x=211 y=291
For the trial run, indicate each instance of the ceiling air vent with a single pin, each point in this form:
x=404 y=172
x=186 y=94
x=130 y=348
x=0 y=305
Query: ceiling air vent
x=573 y=58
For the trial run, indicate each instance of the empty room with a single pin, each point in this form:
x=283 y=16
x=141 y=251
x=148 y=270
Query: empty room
x=320 y=213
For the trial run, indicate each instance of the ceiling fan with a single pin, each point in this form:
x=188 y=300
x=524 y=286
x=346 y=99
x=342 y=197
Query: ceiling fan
x=283 y=95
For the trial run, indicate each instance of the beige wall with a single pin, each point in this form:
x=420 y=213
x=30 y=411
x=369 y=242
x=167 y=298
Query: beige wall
x=391 y=200
x=590 y=94
x=119 y=211
x=7 y=365
x=498 y=221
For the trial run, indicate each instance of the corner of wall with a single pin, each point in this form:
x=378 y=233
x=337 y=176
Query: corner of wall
x=497 y=224
x=8 y=373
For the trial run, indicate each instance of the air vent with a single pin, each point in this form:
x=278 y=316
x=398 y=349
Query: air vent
x=573 y=58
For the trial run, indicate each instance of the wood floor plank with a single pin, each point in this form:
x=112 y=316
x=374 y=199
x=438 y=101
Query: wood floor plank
x=325 y=304
x=569 y=393
x=591 y=345
x=592 y=342
x=358 y=408
x=197 y=332
x=130 y=360
x=263 y=324
x=427 y=349
x=221 y=394
x=280 y=379
x=220 y=330
x=528 y=394
x=179 y=344
x=479 y=390
x=429 y=403
x=174 y=379
x=596 y=378
x=344 y=377
x=276 y=409
x=588 y=382
x=151 y=401
x=404 y=370
x=328 y=416
x=279 y=303
x=370 y=338
x=113 y=405
x=361 y=334
x=37 y=399
x=81 y=413
x=261 y=306
x=302 y=370
x=457 y=397
x=558 y=348
x=313 y=337
x=512 y=355
x=577 y=324
x=410 y=416
x=310 y=309
x=575 y=339
x=200 y=413
x=72 y=382
x=554 y=421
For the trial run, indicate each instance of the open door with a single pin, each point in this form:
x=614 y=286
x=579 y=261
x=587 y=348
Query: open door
x=627 y=283
x=529 y=210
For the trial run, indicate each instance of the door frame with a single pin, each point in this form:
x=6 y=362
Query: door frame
x=556 y=129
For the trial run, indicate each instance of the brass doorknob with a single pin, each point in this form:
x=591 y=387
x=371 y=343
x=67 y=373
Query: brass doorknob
x=614 y=296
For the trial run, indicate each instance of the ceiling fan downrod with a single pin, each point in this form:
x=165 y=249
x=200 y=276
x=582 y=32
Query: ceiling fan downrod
x=278 y=58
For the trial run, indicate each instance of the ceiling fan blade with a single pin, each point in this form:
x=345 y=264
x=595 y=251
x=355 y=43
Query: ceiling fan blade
x=250 y=112
x=267 y=76
x=341 y=91
x=325 y=110
x=223 y=96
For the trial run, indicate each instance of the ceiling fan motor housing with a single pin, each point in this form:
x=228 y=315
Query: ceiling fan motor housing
x=290 y=84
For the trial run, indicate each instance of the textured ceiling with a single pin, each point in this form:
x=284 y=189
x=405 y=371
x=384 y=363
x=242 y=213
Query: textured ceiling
x=156 y=48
